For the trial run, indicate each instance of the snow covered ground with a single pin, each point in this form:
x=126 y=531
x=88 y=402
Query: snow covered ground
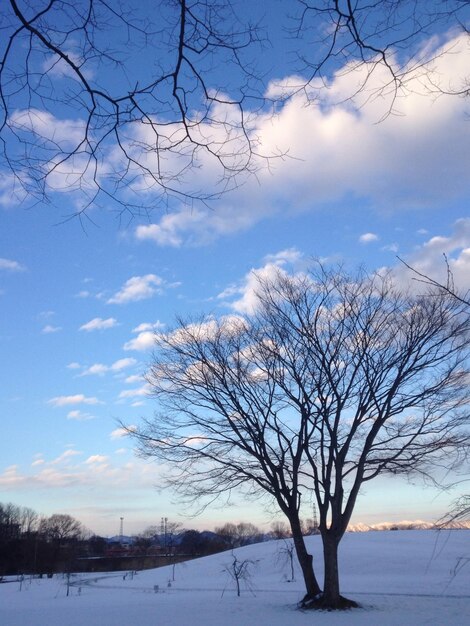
x=400 y=578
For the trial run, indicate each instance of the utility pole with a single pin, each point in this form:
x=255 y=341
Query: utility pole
x=315 y=520
x=164 y=531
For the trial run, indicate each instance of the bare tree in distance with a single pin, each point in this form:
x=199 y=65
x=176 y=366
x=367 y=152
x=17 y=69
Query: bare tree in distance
x=61 y=527
x=80 y=112
x=335 y=379
x=63 y=533
x=240 y=534
x=280 y=530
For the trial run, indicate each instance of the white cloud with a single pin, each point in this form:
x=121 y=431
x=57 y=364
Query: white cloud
x=145 y=390
x=368 y=238
x=78 y=398
x=45 y=315
x=79 y=416
x=74 y=366
x=55 y=66
x=290 y=256
x=242 y=297
x=199 y=226
x=68 y=454
x=430 y=258
x=138 y=288
x=414 y=159
x=121 y=364
x=97 y=323
x=96 y=458
x=143 y=341
x=285 y=87
x=228 y=325
x=49 y=329
x=134 y=379
x=99 y=369
x=64 y=132
x=95 y=471
x=248 y=289
x=393 y=247
x=12 y=192
x=148 y=326
x=12 y=266
x=59 y=136
x=118 y=433
x=11 y=477
x=163 y=234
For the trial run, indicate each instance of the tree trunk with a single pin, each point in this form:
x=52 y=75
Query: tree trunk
x=305 y=561
x=331 y=593
x=332 y=599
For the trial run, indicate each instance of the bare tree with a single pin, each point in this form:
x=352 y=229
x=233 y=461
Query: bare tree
x=29 y=520
x=237 y=535
x=334 y=381
x=240 y=571
x=62 y=532
x=61 y=527
x=280 y=530
x=144 y=540
x=286 y=555
x=80 y=112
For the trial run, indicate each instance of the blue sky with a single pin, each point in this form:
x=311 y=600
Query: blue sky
x=79 y=301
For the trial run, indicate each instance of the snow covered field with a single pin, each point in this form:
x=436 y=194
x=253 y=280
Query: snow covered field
x=400 y=578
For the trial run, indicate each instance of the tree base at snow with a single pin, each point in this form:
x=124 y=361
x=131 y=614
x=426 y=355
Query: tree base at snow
x=320 y=603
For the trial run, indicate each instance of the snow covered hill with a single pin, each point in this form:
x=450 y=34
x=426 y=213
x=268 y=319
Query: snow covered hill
x=414 y=578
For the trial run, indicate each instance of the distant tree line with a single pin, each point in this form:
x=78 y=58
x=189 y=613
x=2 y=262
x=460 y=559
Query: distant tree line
x=33 y=544
x=183 y=542
x=39 y=545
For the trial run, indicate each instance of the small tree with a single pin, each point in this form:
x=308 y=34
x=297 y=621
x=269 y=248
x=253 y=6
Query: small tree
x=286 y=554
x=335 y=380
x=240 y=571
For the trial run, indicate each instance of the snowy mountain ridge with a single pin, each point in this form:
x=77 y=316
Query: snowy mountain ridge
x=409 y=525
